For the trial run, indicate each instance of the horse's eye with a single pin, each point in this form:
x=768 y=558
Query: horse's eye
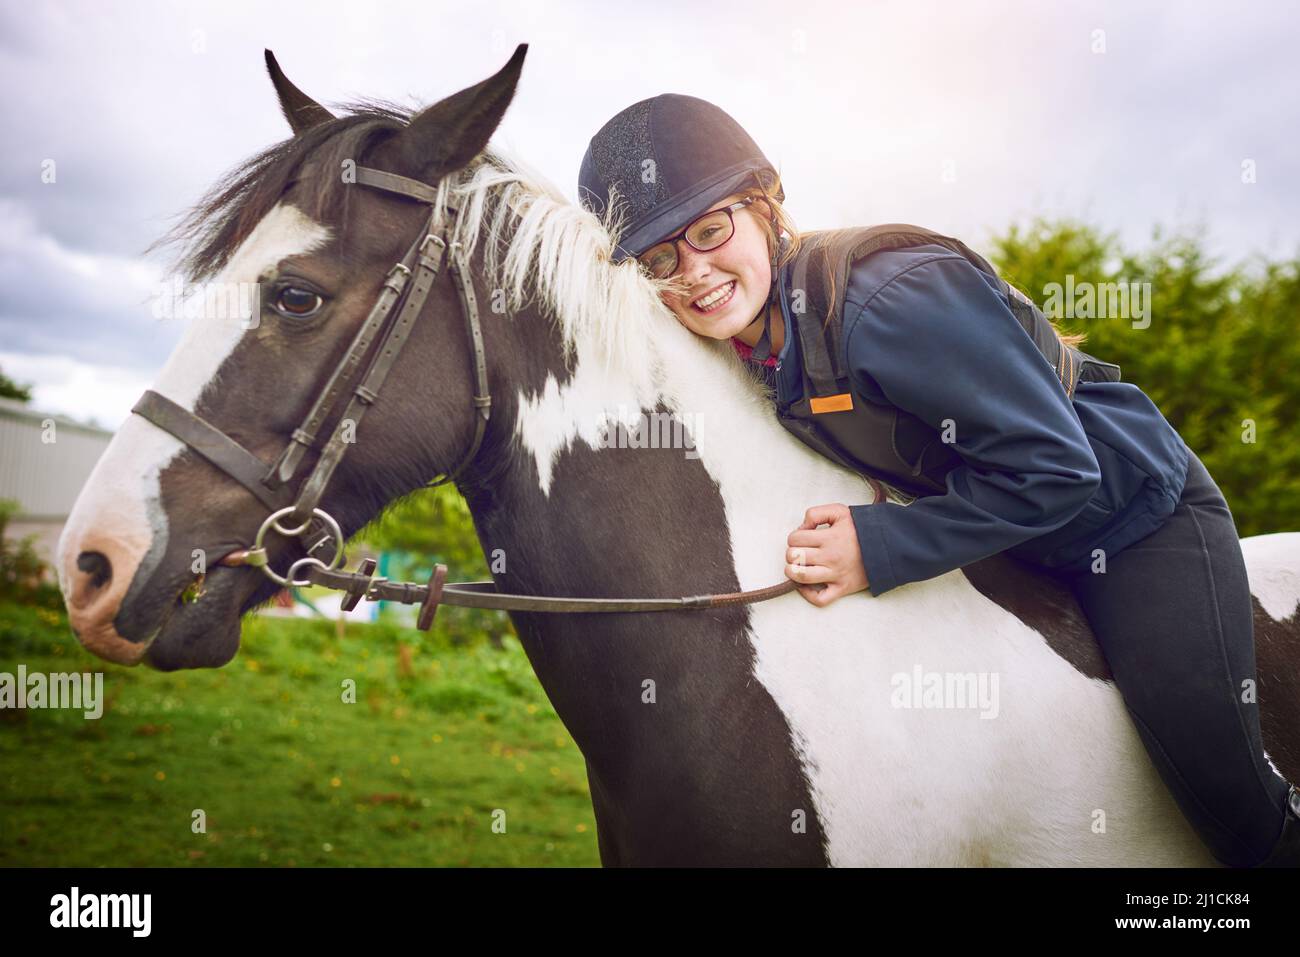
x=298 y=303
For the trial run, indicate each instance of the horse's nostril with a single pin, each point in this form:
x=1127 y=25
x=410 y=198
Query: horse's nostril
x=97 y=566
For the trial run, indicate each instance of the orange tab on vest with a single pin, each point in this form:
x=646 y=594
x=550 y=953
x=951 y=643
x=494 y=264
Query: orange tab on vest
x=831 y=403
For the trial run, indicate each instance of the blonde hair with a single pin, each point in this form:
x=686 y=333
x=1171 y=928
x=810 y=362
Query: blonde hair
x=784 y=222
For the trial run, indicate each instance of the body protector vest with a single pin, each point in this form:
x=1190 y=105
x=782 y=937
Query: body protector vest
x=882 y=440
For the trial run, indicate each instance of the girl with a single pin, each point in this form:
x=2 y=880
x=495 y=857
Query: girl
x=1051 y=479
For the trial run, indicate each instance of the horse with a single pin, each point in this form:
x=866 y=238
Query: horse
x=774 y=733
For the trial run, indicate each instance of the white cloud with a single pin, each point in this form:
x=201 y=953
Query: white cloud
x=87 y=392
x=56 y=299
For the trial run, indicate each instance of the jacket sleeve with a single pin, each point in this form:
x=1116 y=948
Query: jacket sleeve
x=939 y=341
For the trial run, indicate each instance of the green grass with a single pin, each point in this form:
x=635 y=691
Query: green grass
x=441 y=736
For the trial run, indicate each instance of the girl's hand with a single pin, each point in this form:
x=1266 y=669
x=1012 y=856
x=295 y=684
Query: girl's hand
x=826 y=562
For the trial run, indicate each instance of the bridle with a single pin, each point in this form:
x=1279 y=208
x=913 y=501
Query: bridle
x=390 y=321
x=403 y=294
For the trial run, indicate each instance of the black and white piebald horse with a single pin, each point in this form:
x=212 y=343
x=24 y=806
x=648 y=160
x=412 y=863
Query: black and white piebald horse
x=779 y=733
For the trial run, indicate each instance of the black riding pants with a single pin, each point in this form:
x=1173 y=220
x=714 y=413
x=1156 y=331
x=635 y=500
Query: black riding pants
x=1173 y=616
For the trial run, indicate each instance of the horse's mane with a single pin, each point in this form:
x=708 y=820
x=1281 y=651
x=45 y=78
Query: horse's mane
x=536 y=243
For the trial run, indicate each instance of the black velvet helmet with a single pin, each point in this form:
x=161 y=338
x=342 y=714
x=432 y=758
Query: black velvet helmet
x=671 y=157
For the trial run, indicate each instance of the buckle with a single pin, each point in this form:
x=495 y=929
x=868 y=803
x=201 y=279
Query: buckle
x=360 y=584
x=430 y=606
x=272 y=522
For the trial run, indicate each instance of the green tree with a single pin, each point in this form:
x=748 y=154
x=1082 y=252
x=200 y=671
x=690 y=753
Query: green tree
x=22 y=572
x=435 y=524
x=9 y=389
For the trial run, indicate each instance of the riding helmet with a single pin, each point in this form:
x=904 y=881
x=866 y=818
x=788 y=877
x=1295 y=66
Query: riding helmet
x=671 y=157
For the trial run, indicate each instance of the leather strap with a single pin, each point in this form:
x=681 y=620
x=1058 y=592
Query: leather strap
x=394 y=286
x=427 y=264
x=305 y=435
x=213 y=444
x=485 y=595
x=401 y=185
x=482 y=398
x=432 y=597
x=357 y=590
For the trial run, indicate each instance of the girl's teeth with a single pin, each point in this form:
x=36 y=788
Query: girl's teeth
x=716 y=297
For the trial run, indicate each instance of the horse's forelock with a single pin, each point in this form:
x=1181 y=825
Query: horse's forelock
x=212 y=230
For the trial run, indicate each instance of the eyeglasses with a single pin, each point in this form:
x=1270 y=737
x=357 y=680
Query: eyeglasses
x=708 y=232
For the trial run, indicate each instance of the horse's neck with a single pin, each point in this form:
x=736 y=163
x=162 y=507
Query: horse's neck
x=550 y=519
x=558 y=514
x=574 y=507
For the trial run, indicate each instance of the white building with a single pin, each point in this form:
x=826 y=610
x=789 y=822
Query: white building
x=45 y=459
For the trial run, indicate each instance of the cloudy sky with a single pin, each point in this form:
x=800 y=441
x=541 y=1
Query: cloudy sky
x=960 y=116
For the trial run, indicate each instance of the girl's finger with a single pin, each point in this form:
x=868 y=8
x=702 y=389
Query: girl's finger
x=819 y=595
x=827 y=595
x=807 y=536
x=808 y=574
x=823 y=515
x=803 y=556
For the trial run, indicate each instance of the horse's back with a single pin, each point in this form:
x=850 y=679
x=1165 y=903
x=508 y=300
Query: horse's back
x=1273 y=567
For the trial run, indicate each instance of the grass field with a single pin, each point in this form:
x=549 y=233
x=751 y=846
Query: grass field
x=450 y=755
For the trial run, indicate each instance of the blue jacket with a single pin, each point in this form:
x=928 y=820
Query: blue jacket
x=1046 y=478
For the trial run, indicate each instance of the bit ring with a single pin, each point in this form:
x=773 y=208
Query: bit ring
x=272 y=521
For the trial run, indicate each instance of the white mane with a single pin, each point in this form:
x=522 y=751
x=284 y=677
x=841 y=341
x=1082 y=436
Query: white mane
x=559 y=252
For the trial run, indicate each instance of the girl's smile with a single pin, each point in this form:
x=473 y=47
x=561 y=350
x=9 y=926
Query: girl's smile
x=716 y=299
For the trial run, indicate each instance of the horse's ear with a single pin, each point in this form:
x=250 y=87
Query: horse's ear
x=447 y=135
x=298 y=108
